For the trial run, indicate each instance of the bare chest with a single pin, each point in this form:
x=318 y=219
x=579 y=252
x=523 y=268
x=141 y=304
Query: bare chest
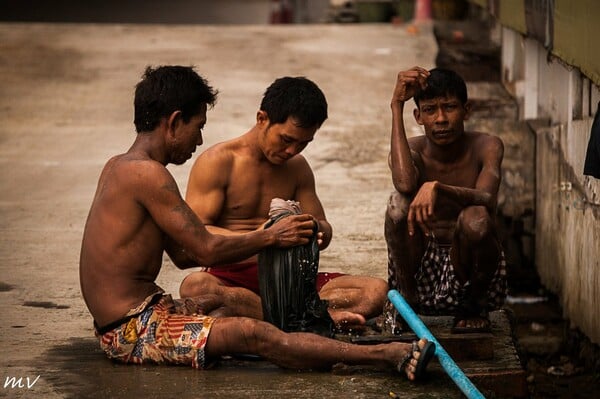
x=462 y=172
x=251 y=189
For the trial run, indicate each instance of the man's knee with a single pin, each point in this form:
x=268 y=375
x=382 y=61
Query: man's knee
x=197 y=283
x=373 y=289
x=355 y=289
x=379 y=287
x=397 y=207
x=242 y=335
x=475 y=224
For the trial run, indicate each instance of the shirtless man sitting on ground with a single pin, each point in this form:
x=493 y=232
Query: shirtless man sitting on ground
x=444 y=254
x=231 y=186
x=137 y=213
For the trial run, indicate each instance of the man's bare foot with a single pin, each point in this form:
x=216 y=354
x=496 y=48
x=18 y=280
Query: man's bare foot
x=466 y=324
x=345 y=321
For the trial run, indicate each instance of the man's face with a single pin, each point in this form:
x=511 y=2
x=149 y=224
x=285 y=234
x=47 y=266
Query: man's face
x=442 y=118
x=281 y=141
x=188 y=136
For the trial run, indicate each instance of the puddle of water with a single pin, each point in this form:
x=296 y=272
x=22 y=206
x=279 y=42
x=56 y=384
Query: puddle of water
x=44 y=304
x=4 y=287
x=80 y=369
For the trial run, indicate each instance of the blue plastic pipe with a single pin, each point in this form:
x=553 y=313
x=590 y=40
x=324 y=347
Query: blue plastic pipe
x=417 y=325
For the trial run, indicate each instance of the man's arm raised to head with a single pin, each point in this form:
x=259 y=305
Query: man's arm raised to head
x=157 y=192
x=310 y=203
x=405 y=174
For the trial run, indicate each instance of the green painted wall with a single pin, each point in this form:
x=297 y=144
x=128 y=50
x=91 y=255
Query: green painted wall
x=576 y=29
x=512 y=14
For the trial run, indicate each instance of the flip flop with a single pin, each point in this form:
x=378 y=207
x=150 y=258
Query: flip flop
x=426 y=354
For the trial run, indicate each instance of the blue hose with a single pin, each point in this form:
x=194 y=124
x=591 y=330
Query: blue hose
x=451 y=368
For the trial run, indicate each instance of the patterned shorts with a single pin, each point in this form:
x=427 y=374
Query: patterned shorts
x=439 y=289
x=166 y=331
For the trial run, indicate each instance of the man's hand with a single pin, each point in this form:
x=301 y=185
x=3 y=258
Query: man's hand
x=293 y=230
x=421 y=208
x=409 y=83
x=319 y=232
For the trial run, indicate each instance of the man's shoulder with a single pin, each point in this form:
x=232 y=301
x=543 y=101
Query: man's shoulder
x=417 y=145
x=132 y=168
x=483 y=137
x=134 y=161
x=127 y=177
x=220 y=152
x=416 y=142
x=486 y=142
x=218 y=160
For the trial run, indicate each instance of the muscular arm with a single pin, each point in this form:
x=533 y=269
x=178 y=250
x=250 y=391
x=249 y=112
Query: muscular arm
x=310 y=203
x=206 y=191
x=485 y=192
x=404 y=172
x=206 y=200
x=157 y=192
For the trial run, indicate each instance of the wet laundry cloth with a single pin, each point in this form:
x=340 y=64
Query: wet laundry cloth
x=591 y=167
x=287 y=281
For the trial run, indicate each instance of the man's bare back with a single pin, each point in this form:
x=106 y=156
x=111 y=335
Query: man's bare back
x=122 y=246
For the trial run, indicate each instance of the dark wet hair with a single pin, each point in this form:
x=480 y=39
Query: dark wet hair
x=295 y=97
x=442 y=83
x=166 y=89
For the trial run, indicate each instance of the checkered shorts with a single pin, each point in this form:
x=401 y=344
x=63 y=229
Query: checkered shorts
x=439 y=289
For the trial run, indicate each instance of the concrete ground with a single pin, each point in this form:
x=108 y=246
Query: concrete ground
x=66 y=106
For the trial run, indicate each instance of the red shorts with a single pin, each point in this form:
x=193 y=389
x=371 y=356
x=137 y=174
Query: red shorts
x=246 y=275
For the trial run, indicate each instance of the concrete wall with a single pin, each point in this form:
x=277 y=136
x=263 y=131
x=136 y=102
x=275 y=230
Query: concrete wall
x=559 y=101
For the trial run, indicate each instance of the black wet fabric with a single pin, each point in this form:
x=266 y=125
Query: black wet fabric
x=591 y=167
x=287 y=281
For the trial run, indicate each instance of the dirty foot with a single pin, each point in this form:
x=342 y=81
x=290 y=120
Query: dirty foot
x=470 y=324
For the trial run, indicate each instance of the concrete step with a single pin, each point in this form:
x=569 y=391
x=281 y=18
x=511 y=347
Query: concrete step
x=490 y=360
